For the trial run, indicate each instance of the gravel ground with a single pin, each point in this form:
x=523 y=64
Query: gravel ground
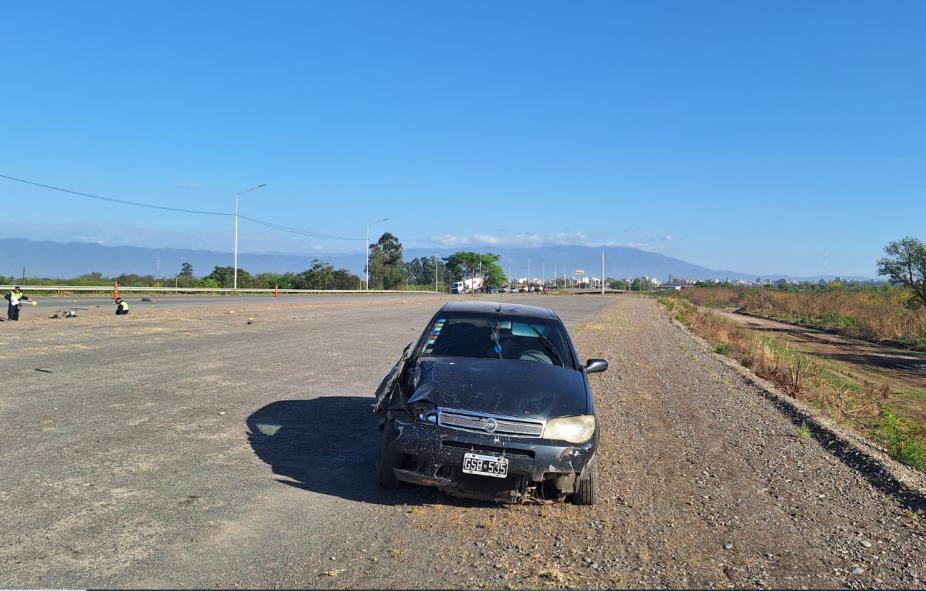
x=705 y=484
x=182 y=446
x=193 y=449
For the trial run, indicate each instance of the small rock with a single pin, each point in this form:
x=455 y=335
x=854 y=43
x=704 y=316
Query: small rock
x=865 y=543
x=728 y=546
x=857 y=570
x=222 y=413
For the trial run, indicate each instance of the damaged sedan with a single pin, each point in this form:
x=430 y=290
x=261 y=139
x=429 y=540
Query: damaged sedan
x=491 y=403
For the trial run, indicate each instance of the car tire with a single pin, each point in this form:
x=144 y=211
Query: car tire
x=387 y=460
x=586 y=492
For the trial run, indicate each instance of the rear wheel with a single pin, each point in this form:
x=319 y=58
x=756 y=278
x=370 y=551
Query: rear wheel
x=387 y=459
x=587 y=486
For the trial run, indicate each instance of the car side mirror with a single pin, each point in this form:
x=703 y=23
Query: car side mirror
x=596 y=365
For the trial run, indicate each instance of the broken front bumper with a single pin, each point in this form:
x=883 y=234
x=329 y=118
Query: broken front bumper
x=432 y=455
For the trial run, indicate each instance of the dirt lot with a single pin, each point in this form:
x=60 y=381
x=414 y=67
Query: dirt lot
x=182 y=446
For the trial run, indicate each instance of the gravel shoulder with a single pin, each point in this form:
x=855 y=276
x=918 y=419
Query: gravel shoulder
x=706 y=484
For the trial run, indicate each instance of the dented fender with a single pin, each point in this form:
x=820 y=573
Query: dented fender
x=386 y=390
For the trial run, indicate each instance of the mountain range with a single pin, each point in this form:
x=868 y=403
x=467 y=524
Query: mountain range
x=63 y=260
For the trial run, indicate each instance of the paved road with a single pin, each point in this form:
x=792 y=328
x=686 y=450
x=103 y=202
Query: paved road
x=185 y=447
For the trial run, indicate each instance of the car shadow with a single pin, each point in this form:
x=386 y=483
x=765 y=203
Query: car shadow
x=329 y=445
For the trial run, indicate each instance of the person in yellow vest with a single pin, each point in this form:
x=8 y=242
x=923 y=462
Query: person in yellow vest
x=122 y=307
x=14 y=297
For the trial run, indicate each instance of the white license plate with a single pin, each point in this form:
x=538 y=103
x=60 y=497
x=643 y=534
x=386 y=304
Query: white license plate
x=485 y=465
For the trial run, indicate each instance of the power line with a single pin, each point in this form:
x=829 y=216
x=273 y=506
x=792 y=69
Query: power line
x=272 y=225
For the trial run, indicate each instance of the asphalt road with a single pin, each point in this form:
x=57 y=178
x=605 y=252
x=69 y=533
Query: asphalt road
x=183 y=446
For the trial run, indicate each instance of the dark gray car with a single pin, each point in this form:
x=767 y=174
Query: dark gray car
x=491 y=403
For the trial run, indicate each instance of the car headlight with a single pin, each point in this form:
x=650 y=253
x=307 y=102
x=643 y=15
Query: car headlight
x=425 y=414
x=572 y=429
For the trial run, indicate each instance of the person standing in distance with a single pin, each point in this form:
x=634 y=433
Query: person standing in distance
x=14 y=297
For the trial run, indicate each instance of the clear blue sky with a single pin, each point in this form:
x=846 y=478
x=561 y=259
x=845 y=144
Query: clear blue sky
x=775 y=137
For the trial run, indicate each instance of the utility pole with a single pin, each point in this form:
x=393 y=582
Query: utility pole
x=528 y=273
x=237 y=197
x=510 y=279
x=435 y=272
x=602 y=272
x=543 y=274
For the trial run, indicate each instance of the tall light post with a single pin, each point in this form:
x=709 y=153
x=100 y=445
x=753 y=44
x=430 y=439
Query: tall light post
x=366 y=259
x=237 y=197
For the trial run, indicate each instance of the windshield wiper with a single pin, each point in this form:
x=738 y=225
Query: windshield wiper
x=548 y=345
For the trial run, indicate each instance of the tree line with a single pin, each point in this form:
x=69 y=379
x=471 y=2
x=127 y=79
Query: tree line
x=904 y=266
x=387 y=267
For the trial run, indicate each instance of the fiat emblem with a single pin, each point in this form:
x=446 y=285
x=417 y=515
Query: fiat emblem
x=490 y=425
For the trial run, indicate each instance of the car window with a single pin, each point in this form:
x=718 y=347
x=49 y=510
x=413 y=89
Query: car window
x=497 y=337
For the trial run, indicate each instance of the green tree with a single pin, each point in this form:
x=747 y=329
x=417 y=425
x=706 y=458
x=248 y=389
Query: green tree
x=186 y=271
x=905 y=265
x=225 y=277
x=420 y=271
x=466 y=264
x=319 y=276
x=322 y=275
x=267 y=281
x=344 y=279
x=386 y=268
x=616 y=284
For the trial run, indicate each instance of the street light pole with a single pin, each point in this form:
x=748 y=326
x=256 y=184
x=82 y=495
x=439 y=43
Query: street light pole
x=366 y=259
x=237 y=197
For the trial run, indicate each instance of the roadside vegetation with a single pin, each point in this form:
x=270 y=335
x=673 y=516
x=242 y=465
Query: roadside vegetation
x=894 y=312
x=893 y=419
x=874 y=313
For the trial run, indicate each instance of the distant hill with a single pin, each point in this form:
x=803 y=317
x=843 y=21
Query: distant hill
x=56 y=259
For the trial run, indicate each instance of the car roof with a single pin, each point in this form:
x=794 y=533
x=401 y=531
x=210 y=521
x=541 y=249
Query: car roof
x=501 y=308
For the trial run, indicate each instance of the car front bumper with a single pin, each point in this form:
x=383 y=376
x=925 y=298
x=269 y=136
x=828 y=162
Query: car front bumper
x=432 y=455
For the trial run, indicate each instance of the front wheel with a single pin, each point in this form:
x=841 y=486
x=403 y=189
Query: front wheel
x=387 y=459
x=587 y=486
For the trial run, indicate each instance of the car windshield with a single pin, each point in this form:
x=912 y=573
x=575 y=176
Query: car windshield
x=495 y=336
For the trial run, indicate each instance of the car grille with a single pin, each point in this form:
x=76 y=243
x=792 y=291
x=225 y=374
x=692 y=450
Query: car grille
x=485 y=423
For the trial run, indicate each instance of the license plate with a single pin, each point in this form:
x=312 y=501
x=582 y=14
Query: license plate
x=485 y=465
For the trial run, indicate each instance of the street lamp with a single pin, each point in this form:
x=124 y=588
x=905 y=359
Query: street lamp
x=366 y=266
x=237 y=196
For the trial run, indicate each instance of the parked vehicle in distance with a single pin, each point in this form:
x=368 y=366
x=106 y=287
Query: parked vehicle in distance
x=491 y=402
x=471 y=285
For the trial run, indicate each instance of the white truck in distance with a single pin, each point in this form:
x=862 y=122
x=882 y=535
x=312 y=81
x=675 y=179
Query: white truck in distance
x=467 y=285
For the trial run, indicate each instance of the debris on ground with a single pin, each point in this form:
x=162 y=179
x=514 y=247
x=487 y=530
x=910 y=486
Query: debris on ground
x=332 y=573
x=68 y=313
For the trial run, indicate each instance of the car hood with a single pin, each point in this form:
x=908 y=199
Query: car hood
x=508 y=387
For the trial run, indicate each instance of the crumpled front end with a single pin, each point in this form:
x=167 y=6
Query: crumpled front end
x=431 y=454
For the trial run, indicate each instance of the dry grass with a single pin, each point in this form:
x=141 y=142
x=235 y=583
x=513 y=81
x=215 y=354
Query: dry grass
x=871 y=314
x=862 y=406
